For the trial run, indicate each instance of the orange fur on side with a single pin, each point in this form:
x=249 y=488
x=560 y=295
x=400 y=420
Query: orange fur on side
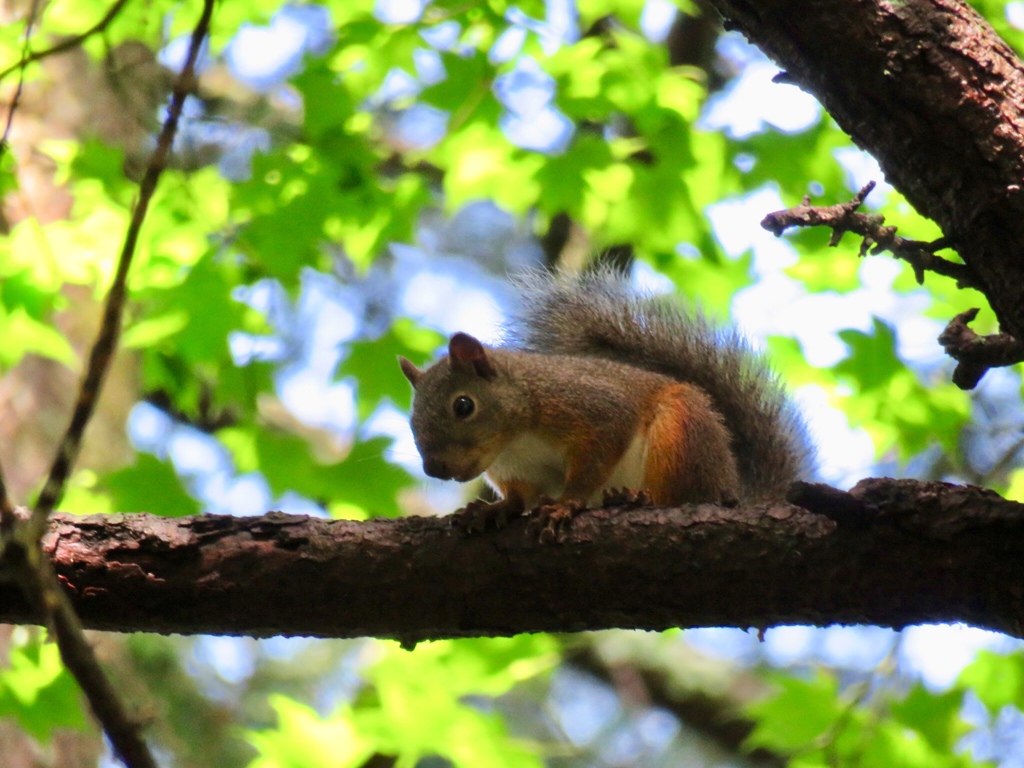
x=689 y=457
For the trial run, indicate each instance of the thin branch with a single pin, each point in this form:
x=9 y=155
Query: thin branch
x=976 y=354
x=843 y=217
x=32 y=16
x=106 y=341
x=66 y=45
x=39 y=581
x=22 y=550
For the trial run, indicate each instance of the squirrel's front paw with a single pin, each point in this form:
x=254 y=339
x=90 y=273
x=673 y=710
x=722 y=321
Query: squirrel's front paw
x=551 y=520
x=629 y=498
x=479 y=515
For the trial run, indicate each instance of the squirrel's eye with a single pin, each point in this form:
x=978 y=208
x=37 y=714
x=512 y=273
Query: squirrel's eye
x=463 y=406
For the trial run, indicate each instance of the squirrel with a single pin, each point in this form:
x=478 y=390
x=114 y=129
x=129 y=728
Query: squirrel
x=603 y=388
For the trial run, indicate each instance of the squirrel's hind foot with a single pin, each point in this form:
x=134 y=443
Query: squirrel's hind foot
x=628 y=498
x=479 y=515
x=551 y=520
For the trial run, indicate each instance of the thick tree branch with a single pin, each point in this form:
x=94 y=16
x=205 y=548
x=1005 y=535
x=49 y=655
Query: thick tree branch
x=900 y=552
x=930 y=90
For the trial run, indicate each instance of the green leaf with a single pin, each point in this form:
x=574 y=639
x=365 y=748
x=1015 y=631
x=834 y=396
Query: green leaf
x=570 y=183
x=417 y=707
x=891 y=402
x=893 y=746
x=20 y=291
x=997 y=680
x=39 y=692
x=374 y=364
x=153 y=330
x=463 y=72
x=872 y=359
x=364 y=479
x=302 y=739
x=482 y=164
x=95 y=160
x=936 y=716
x=368 y=480
x=327 y=107
x=797 y=714
x=24 y=335
x=150 y=485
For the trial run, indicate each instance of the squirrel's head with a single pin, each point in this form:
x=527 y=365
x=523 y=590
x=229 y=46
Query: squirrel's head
x=462 y=410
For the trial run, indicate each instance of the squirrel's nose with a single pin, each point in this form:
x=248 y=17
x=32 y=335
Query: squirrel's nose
x=437 y=468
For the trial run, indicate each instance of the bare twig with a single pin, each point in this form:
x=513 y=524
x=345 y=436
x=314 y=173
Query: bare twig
x=976 y=354
x=843 y=217
x=66 y=45
x=110 y=328
x=20 y=66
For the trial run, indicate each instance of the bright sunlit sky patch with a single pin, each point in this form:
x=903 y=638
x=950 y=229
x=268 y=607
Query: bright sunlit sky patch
x=262 y=55
x=754 y=101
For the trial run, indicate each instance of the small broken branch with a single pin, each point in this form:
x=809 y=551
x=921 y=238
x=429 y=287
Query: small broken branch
x=976 y=354
x=843 y=217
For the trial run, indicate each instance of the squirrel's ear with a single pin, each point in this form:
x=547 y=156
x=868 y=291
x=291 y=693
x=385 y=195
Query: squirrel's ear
x=469 y=355
x=412 y=373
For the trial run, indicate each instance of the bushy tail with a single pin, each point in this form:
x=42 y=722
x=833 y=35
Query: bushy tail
x=599 y=315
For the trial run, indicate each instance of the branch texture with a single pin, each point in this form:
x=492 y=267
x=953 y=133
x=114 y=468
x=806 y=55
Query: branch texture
x=929 y=89
x=890 y=552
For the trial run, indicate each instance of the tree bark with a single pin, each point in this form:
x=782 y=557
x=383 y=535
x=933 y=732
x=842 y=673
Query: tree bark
x=891 y=552
x=929 y=89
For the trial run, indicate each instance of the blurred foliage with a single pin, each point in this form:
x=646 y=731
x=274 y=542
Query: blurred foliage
x=329 y=184
x=37 y=690
x=875 y=723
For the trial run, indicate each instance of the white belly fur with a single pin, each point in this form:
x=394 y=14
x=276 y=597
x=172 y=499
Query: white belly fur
x=533 y=458
x=630 y=471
